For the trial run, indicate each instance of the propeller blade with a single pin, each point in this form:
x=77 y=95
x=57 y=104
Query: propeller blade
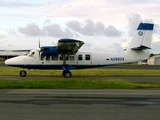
x=39 y=44
x=39 y=47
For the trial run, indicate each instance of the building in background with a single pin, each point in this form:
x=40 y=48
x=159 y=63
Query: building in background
x=12 y=53
x=154 y=60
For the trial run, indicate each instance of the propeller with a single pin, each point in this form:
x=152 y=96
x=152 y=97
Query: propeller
x=39 y=48
x=39 y=45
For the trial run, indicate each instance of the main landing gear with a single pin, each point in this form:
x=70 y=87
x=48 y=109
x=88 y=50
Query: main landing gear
x=66 y=74
x=23 y=73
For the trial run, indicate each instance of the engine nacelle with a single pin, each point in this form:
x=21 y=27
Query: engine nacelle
x=49 y=51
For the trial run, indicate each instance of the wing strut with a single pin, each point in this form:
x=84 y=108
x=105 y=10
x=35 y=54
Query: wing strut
x=64 y=59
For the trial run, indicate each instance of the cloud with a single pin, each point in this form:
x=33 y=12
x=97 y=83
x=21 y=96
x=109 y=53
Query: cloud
x=2 y=35
x=89 y=28
x=99 y=28
x=111 y=31
x=86 y=29
x=55 y=30
x=87 y=46
x=47 y=22
x=74 y=29
x=134 y=20
x=31 y=30
x=17 y=4
x=117 y=47
x=156 y=28
x=110 y=12
x=155 y=47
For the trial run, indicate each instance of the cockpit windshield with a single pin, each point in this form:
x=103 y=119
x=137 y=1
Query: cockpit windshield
x=31 y=54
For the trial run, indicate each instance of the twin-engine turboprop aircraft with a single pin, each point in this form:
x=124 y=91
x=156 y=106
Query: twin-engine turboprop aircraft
x=67 y=56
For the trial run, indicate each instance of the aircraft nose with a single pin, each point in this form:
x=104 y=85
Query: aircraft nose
x=8 y=62
x=11 y=61
x=15 y=60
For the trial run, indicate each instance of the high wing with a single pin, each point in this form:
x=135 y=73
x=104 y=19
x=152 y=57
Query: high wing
x=65 y=46
x=69 y=46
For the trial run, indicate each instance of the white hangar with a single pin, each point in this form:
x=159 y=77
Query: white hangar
x=154 y=60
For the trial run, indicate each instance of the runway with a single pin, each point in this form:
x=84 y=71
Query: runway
x=49 y=104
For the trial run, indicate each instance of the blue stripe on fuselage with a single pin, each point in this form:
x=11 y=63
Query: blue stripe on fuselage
x=48 y=67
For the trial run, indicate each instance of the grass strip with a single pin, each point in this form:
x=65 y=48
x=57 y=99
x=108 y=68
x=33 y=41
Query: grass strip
x=74 y=84
x=84 y=72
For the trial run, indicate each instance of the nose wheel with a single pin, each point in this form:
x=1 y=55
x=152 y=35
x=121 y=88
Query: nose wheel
x=23 y=73
x=66 y=74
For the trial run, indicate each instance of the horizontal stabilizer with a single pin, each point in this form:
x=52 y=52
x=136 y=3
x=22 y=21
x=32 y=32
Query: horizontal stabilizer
x=141 y=47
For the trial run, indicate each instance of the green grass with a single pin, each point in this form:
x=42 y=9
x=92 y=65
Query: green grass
x=84 y=72
x=77 y=82
x=74 y=84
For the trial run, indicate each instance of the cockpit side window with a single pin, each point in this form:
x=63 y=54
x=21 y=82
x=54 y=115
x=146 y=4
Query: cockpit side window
x=31 y=54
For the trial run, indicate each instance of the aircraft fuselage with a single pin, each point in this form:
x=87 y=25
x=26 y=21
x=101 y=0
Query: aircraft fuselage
x=81 y=60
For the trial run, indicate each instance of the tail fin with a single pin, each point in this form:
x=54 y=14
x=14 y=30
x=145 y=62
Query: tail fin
x=141 y=42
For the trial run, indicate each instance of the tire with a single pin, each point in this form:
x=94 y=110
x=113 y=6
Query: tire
x=63 y=73
x=67 y=74
x=23 y=73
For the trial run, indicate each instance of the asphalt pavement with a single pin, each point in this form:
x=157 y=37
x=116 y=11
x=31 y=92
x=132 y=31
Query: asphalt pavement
x=49 y=104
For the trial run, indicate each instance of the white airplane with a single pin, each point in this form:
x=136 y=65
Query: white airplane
x=67 y=57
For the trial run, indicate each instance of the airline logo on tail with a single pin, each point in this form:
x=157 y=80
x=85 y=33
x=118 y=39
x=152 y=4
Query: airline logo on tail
x=140 y=33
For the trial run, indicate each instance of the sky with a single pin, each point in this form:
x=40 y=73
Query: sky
x=103 y=25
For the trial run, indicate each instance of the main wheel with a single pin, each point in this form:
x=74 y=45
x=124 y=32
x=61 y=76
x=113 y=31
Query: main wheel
x=22 y=73
x=63 y=73
x=66 y=74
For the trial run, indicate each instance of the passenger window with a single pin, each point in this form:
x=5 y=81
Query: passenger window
x=55 y=57
x=42 y=57
x=87 y=57
x=71 y=57
x=47 y=57
x=66 y=57
x=61 y=57
x=80 y=57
